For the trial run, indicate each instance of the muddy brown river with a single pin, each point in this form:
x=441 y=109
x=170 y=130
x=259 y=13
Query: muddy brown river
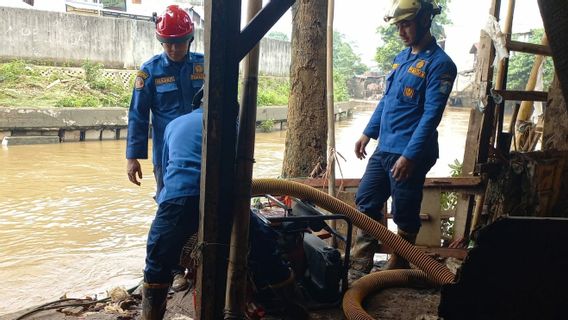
x=72 y=224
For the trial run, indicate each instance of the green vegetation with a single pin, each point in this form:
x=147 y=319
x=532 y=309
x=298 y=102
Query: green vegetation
x=346 y=64
x=267 y=125
x=392 y=44
x=273 y=91
x=23 y=85
x=449 y=201
x=520 y=65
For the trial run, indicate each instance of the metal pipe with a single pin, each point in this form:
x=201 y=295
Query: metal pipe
x=235 y=295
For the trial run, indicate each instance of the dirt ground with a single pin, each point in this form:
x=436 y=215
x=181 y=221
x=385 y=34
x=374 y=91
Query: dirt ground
x=387 y=304
x=390 y=304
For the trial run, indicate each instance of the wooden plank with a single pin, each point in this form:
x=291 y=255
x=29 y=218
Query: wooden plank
x=445 y=183
x=485 y=79
x=519 y=95
x=457 y=253
x=532 y=48
x=430 y=232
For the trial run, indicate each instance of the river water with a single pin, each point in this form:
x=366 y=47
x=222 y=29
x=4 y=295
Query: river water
x=72 y=224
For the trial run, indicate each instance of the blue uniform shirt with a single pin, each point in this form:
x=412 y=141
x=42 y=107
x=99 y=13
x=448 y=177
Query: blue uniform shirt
x=415 y=96
x=181 y=162
x=166 y=88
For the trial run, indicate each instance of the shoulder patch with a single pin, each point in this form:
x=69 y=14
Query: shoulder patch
x=394 y=66
x=139 y=83
x=198 y=71
x=142 y=74
x=164 y=80
x=445 y=87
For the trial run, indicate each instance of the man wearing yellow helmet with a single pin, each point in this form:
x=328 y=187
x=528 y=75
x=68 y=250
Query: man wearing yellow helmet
x=405 y=123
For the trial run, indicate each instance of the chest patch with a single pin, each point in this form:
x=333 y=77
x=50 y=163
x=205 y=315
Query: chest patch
x=416 y=71
x=408 y=92
x=164 y=80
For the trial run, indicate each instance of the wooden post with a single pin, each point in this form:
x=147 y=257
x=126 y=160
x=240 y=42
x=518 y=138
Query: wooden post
x=485 y=78
x=501 y=81
x=330 y=110
x=222 y=25
x=480 y=126
x=237 y=273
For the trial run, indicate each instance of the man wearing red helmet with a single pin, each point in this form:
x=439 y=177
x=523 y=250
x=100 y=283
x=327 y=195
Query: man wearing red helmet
x=165 y=85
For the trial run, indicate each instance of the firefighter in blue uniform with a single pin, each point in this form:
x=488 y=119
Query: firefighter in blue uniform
x=164 y=86
x=405 y=123
x=177 y=218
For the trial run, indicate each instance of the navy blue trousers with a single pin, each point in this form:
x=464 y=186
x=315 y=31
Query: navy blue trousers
x=377 y=185
x=176 y=221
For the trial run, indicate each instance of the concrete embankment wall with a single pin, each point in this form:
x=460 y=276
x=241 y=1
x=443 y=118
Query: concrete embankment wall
x=72 y=39
x=32 y=126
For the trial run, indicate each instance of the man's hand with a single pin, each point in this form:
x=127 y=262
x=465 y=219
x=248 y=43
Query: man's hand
x=133 y=168
x=402 y=169
x=360 y=147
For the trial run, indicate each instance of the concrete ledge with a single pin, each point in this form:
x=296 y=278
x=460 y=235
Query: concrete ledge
x=23 y=140
x=30 y=119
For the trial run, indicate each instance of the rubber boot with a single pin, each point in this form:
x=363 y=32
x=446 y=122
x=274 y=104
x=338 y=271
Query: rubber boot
x=363 y=252
x=154 y=299
x=180 y=282
x=395 y=261
x=287 y=291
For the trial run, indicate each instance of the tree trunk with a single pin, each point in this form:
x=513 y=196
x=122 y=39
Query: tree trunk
x=306 y=144
x=554 y=14
x=555 y=130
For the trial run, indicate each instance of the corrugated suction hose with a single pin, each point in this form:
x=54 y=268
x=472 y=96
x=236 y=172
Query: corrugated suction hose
x=437 y=272
x=352 y=302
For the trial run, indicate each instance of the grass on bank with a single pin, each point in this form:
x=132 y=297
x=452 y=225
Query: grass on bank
x=23 y=85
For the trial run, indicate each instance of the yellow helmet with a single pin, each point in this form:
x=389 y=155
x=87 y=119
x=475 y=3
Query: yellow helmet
x=408 y=9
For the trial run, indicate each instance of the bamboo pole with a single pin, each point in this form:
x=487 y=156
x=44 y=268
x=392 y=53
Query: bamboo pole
x=235 y=294
x=526 y=110
x=330 y=110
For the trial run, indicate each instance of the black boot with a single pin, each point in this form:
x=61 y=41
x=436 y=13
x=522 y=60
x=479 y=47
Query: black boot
x=287 y=291
x=154 y=299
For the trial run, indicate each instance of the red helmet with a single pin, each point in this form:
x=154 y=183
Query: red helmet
x=174 y=25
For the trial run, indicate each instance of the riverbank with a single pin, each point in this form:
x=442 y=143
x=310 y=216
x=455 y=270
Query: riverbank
x=54 y=125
